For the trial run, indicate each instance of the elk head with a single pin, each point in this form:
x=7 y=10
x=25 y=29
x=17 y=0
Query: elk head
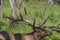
x=39 y=34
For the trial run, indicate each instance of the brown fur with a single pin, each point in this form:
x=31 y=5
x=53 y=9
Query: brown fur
x=1 y=37
x=35 y=35
x=11 y=36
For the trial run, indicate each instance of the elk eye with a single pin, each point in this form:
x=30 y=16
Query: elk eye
x=46 y=31
x=37 y=35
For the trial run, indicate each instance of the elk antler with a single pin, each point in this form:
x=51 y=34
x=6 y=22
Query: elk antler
x=27 y=21
x=12 y=19
x=25 y=10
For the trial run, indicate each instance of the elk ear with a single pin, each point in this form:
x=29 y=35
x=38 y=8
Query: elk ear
x=34 y=28
x=21 y=16
x=34 y=22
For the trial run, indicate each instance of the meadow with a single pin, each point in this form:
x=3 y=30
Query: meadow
x=36 y=10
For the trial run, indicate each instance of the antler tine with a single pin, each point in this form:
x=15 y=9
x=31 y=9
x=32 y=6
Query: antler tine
x=43 y=21
x=34 y=26
x=34 y=22
x=21 y=17
x=27 y=22
x=7 y=17
x=30 y=24
x=25 y=10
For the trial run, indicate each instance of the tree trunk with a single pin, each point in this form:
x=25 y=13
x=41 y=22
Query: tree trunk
x=16 y=5
x=0 y=8
x=50 y=2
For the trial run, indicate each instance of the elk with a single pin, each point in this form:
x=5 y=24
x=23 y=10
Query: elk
x=37 y=35
x=38 y=30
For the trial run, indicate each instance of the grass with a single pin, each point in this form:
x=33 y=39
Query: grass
x=35 y=10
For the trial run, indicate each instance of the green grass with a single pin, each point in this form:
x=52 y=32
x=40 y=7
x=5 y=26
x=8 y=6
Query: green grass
x=35 y=10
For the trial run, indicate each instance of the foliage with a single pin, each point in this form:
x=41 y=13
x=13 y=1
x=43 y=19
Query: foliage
x=35 y=10
x=57 y=1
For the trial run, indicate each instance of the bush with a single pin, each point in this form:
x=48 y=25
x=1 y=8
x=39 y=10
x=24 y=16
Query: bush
x=57 y=1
